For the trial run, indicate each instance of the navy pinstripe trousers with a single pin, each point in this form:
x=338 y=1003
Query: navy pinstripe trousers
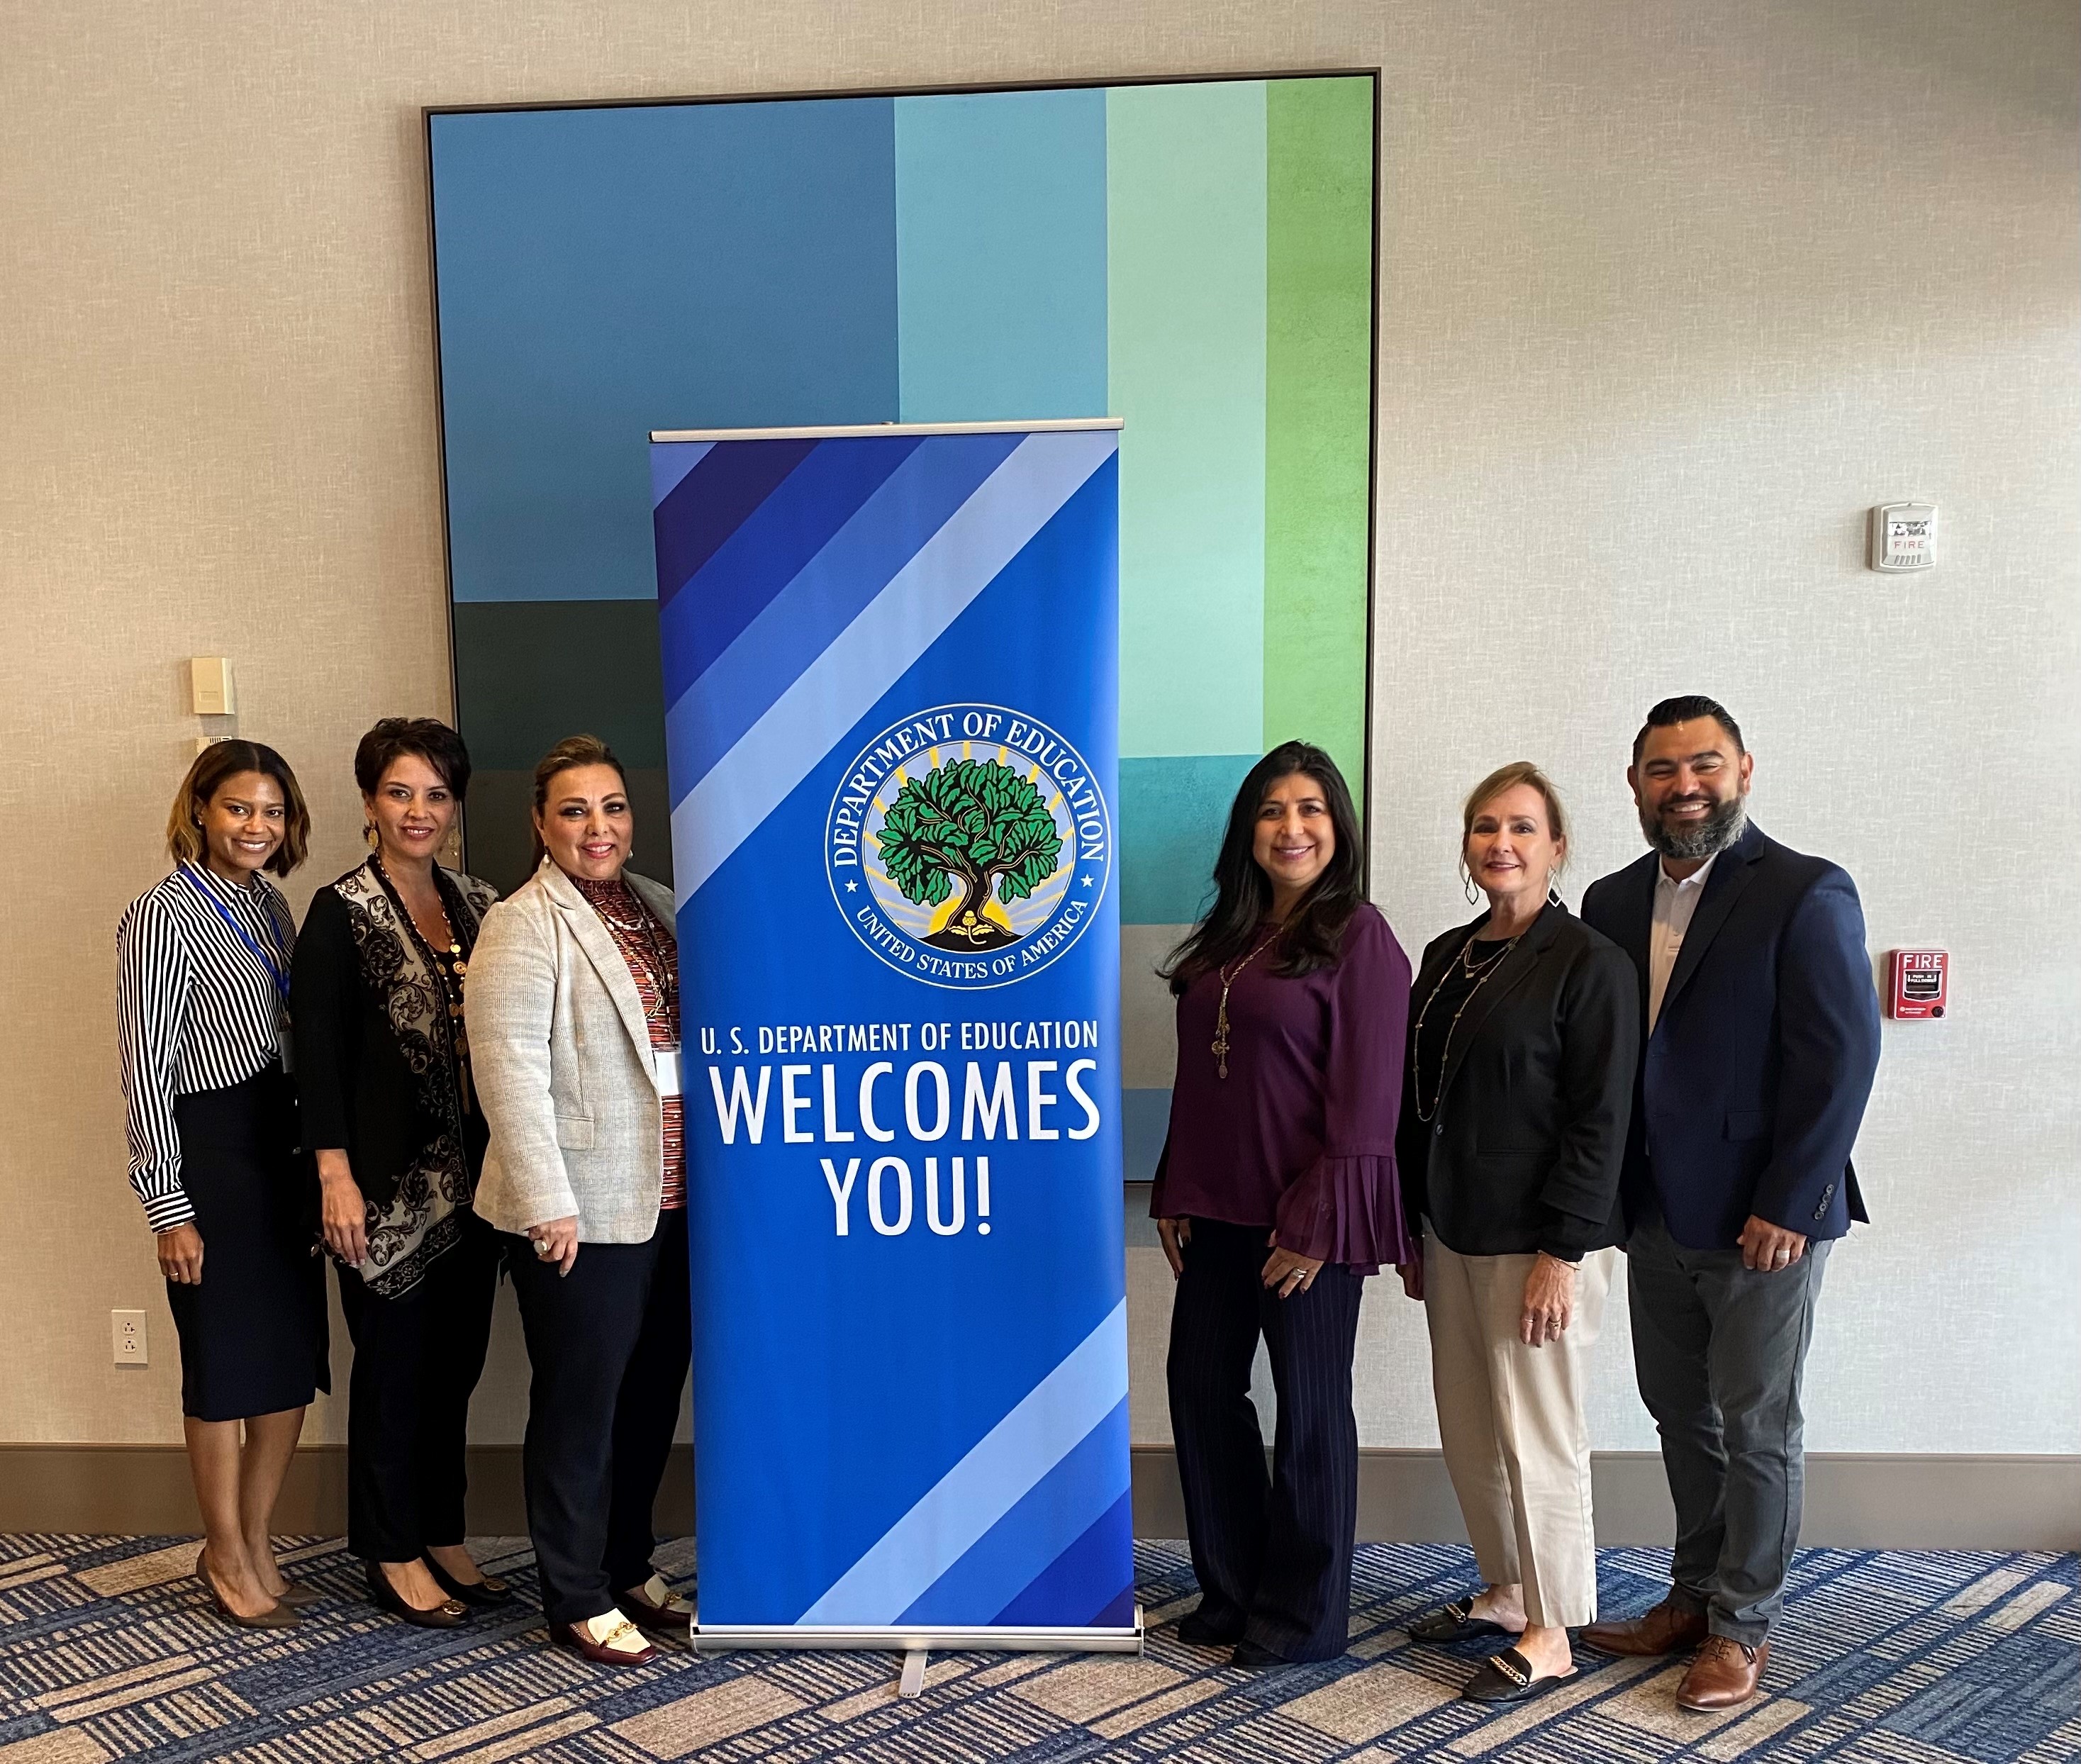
x=1273 y=1554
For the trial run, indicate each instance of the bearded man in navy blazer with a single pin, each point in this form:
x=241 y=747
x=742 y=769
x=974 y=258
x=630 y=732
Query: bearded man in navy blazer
x=1762 y=1039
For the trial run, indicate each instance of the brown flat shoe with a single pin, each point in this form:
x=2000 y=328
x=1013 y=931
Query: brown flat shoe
x=1667 y=1629
x=277 y=1616
x=1724 y=1676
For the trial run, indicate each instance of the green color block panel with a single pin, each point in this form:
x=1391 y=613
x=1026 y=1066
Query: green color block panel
x=1185 y=280
x=1317 y=380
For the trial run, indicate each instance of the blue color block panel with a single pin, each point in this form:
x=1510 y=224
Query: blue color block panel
x=1145 y=1123
x=602 y=273
x=1001 y=255
x=1172 y=813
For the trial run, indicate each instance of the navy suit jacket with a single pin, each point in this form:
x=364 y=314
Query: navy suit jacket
x=1754 y=1079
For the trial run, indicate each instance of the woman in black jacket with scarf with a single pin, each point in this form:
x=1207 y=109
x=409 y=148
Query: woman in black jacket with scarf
x=1517 y=1091
x=383 y=1076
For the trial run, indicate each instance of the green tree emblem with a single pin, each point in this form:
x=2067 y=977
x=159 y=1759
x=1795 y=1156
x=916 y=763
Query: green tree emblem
x=976 y=823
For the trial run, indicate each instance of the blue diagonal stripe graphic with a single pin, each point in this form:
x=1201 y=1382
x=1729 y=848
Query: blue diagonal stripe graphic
x=712 y=820
x=960 y=1509
x=712 y=501
x=1047 y=1521
x=795 y=627
x=780 y=537
x=669 y=464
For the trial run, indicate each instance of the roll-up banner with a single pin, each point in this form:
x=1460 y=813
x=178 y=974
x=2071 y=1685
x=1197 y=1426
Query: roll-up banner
x=890 y=665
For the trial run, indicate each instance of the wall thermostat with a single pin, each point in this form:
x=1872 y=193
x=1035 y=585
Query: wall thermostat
x=210 y=687
x=1917 y=984
x=1903 y=536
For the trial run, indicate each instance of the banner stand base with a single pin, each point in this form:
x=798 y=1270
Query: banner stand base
x=715 y=1638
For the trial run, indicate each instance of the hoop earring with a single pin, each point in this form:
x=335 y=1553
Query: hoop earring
x=1554 y=895
x=1467 y=879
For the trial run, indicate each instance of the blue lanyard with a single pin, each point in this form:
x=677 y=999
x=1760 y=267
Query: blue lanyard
x=275 y=964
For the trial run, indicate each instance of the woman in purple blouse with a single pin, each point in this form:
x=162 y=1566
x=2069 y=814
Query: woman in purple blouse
x=1274 y=1197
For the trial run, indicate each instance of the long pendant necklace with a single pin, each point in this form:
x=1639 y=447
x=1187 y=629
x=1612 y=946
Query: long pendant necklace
x=1229 y=977
x=1480 y=977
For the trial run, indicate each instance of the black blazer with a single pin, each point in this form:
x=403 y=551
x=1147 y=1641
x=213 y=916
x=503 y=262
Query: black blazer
x=1754 y=1082
x=356 y=1093
x=1524 y=1150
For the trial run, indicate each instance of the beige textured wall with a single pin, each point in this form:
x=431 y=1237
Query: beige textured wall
x=1649 y=348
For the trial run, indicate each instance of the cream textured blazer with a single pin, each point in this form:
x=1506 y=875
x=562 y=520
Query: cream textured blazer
x=562 y=1056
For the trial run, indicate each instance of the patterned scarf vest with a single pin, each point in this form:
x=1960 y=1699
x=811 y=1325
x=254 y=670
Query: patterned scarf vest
x=425 y=1216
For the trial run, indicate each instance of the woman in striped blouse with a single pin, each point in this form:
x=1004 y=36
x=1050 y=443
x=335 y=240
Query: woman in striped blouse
x=202 y=1013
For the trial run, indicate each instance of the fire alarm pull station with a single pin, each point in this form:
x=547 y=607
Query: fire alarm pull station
x=1917 y=984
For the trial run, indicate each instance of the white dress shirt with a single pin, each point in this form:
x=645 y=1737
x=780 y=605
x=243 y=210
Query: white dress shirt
x=1674 y=903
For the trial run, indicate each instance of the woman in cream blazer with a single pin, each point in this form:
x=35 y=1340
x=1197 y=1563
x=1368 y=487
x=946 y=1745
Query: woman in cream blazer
x=574 y=1014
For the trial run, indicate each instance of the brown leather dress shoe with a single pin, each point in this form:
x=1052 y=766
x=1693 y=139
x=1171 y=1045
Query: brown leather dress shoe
x=1669 y=1628
x=1724 y=1676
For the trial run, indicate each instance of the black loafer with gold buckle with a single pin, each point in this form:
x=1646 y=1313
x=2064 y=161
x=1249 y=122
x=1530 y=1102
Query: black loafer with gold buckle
x=1506 y=1678
x=1454 y=1622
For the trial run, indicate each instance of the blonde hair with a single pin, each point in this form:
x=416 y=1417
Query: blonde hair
x=214 y=766
x=1518 y=771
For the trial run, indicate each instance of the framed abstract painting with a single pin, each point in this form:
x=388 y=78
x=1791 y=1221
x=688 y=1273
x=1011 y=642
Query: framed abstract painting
x=1196 y=256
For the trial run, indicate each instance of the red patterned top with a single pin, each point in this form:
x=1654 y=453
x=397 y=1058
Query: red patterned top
x=652 y=952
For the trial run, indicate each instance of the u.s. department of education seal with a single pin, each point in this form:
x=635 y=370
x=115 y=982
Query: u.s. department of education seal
x=968 y=844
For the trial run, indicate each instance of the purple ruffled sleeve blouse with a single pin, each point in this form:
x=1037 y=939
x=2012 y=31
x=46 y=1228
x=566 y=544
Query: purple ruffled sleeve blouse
x=1299 y=1137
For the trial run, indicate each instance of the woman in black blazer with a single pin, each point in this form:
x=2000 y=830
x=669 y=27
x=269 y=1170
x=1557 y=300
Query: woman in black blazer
x=1523 y=1031
x=383 y=1069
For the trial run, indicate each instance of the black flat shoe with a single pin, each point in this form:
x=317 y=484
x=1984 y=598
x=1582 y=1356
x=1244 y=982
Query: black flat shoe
x=1252 y=1658
x=483 y=1594
x=450 y=1614
x=1506 y=1678
x=1201 y=1631
x=1454 y=1622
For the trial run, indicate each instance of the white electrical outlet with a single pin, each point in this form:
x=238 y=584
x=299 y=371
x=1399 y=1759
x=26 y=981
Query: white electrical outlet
x=126 y=1328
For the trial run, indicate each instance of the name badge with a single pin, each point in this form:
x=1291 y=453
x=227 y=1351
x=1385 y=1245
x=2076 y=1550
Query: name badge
x=665 y=1062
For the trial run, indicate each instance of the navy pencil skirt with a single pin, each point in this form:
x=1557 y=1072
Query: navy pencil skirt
x=254 y=1332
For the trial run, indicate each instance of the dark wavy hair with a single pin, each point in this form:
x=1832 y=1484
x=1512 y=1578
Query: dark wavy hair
x=1242 y=892
x=1688 y=709
x=424 y=738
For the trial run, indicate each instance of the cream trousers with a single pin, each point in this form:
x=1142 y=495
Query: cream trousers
x=1511 y=1418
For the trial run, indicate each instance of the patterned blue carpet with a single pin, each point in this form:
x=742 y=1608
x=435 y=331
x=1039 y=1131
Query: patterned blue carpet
x=107 y=1650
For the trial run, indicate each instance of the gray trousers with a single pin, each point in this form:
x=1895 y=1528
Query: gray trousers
x=1719 y=1351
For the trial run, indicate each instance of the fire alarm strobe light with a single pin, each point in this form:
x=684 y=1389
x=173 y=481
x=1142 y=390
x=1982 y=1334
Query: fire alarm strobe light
x=1918 y=983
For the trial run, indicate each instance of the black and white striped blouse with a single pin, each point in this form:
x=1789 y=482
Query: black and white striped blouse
x=195 y=1009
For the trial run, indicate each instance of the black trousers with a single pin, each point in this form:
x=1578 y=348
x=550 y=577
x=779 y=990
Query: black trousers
x=417 y=1359
x=609 y=1343
x=1273 y=1554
